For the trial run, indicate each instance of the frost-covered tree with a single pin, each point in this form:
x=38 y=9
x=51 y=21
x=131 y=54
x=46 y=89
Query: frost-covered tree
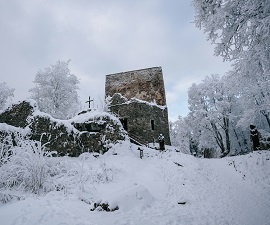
x=203 y=127
x=252 y=82
x=6 y=94
x=180 y=135
x=240 y=30
x=235 y=26
x=213 y=116
x=56 y=90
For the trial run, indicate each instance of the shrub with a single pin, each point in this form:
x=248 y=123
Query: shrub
x=26 y=167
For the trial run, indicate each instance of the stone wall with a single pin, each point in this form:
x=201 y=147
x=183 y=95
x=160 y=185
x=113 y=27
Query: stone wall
x=141 y=119
x=18 y=114
x=89 y=132
x=138 y=99
x=145 y=84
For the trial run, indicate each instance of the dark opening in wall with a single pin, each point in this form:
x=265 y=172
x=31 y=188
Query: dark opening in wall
x=152 y=124
x=90 y=127
x=124 y=123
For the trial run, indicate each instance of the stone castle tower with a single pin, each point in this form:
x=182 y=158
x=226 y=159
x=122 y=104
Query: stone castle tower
x=138 y=99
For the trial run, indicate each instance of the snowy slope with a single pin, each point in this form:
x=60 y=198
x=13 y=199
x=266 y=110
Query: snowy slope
x=162 y=188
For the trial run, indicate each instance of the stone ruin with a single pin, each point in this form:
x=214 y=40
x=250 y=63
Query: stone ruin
x=89 y=132
x=138 y=99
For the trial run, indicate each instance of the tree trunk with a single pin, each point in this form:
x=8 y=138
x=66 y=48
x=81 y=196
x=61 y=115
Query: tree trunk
x=238 y=141
x=227 y=135
x=218 y=138
x=266 y=115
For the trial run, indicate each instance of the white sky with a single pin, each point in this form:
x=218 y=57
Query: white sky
x=103 y=37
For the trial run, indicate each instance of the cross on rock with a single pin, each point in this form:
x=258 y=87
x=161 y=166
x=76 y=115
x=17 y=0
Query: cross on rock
x=89 y=102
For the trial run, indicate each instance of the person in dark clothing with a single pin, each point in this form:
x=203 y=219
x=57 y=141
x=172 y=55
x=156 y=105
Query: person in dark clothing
x=161 y=142
x=254 y=136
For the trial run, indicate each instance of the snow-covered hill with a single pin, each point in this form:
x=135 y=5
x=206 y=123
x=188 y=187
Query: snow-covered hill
x=162 y=188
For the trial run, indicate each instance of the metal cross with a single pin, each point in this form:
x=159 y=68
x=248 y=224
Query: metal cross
x=89 y=102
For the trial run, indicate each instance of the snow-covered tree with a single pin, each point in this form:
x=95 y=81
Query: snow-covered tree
x=253 y=86
x=235 y=26
x=240 y=30
x=179 y=134
x=199 y=120
x=213 y=117
x=6 y=94
x=56 y=90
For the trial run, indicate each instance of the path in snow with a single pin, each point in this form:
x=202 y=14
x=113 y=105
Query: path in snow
x=214 y=192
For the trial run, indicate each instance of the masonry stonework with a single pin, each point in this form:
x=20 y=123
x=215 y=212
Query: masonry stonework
x=144 y=84
x=138 y=99
x=87 y=132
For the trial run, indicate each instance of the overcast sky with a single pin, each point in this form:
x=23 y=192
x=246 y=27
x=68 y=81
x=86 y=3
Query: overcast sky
x=104 y=37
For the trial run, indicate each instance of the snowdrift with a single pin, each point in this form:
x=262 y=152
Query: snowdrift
x=162 y=188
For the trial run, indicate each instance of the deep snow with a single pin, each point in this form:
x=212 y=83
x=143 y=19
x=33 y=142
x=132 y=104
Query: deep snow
x=162 y=188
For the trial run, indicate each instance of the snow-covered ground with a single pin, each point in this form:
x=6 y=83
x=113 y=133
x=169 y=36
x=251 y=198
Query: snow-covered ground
x=168 y=188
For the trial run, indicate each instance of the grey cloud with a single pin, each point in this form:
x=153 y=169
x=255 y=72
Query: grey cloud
x=103 y=37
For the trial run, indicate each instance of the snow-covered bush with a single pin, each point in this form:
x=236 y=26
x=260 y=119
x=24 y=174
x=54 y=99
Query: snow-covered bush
x=9 y=137
x=5 y=198
x=5 y=152
x=27 y=167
